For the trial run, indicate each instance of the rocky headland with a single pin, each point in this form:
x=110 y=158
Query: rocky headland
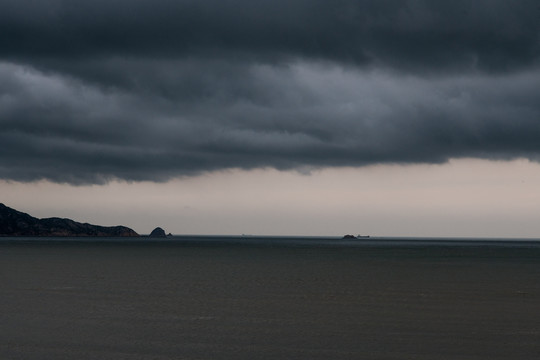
x=16 y=223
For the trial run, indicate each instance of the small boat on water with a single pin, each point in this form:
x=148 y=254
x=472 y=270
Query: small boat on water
x=348 y=236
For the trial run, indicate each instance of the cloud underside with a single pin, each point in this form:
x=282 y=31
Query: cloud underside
x=93 y=91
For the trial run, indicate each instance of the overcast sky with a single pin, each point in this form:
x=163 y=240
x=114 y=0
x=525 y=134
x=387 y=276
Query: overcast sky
x=131 y=93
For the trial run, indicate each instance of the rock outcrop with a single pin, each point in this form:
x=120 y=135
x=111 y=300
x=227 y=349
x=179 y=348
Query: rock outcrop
x=16 y=223
x=158 y=232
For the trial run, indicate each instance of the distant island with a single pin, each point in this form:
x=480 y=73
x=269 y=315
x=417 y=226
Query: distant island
x=16 y=223
x=158 y=232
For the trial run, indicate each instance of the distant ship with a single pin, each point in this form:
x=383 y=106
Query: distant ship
x=348 y=236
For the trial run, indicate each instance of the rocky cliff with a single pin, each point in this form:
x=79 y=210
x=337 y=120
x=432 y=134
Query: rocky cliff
x=16 y=223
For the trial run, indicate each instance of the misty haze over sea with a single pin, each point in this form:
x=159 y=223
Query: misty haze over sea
x=197 y=297
x=284 y=241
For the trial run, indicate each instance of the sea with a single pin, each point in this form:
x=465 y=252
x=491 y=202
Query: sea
x=264 y=297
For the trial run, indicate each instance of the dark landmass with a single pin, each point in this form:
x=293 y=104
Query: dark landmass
x=348 y=236
x=16 y=223
x=158 y=232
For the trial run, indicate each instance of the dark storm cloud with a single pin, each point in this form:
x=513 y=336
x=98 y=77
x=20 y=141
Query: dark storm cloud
x=141 y=90
x=489 y=34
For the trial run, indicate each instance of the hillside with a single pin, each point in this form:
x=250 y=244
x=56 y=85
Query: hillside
x=16 y=223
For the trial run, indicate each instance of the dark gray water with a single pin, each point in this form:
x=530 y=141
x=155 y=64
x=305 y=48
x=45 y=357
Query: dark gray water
x=238 y=298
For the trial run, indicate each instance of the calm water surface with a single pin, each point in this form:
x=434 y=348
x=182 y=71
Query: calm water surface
x=269 y=298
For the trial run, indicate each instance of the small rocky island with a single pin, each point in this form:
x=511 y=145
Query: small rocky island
x=158 y=232
x=16 y=223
